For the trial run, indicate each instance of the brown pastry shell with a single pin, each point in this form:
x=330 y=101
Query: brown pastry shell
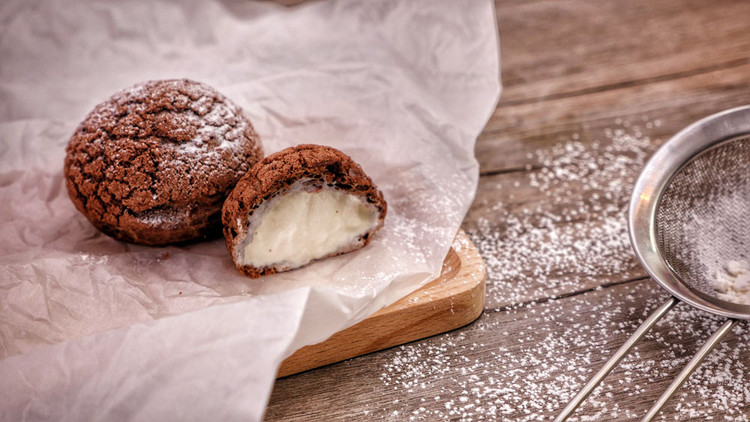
x=153 y=163
x=319 y=166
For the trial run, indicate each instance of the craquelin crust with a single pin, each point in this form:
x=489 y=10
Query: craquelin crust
x=154 y=163
x=273 y=176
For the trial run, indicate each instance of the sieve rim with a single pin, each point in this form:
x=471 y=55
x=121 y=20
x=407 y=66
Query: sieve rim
x=651 y=185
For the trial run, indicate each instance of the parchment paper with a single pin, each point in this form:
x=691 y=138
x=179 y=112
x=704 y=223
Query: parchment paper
x=95 y=329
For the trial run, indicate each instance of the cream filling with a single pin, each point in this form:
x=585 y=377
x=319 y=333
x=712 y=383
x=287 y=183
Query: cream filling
x=302 y=226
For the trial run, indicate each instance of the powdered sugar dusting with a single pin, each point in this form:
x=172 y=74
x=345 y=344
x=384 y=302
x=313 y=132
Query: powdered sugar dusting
x=161 y=217
x=213 y=118
x=531 y=374
x=733 y=282
x=572 y=228
x=715 y=243
x=215 y=129
x=569 y=237
x=702 y=219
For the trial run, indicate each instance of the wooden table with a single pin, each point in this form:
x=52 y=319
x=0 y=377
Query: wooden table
x=591 y=89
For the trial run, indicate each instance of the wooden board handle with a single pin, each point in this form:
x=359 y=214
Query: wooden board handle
x=452 y=300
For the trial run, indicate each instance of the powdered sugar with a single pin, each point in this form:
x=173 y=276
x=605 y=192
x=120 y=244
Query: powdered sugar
x=571 y=229
x=714 y=242
x=531 y=374
x=212 y=119
x=163 y=218
x=733 y=282
x=568 y=236
x=701 y=219
x=215 y=129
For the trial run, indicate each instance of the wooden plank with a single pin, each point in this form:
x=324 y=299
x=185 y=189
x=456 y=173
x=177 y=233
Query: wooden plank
x=557 y=225
x=524 y=364
x=534 y=252
x=515 y=133
x=452 y=300
x=575 y=72
x=561 y=48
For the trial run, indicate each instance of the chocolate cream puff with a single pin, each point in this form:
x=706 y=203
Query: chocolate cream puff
x=298 y=205
x=154 y=163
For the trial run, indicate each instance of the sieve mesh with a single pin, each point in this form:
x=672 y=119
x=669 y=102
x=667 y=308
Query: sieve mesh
x=702 y=216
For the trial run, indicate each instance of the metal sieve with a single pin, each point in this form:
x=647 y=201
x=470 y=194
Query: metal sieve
x=688 y=216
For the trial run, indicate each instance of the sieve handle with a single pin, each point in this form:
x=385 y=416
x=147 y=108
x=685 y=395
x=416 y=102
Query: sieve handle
x=616 y=358
x=714 y=340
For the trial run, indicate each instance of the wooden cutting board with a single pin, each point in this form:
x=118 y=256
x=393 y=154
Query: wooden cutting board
x=452 y=300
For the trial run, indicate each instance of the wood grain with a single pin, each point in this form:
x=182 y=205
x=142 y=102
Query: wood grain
x=518 y=130
x=554 y=49
x=572 y=70
x=525 y=362
x=452 y=300
x=526 y=208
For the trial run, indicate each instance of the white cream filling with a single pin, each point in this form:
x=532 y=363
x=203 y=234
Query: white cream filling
x=302 y=226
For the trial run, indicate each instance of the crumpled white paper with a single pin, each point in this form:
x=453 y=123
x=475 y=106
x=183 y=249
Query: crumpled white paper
x=95 y=329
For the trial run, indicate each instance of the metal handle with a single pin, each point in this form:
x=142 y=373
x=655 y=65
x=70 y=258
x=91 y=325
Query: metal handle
x=615 y=359
x=691 y=366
